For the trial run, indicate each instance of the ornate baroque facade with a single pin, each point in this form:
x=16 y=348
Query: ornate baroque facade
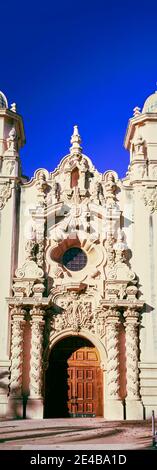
x=78 y=260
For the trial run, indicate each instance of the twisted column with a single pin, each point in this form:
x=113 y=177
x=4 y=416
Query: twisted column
x=132 y=352
x=36 y=369
x=17 y=334
x=112 y=339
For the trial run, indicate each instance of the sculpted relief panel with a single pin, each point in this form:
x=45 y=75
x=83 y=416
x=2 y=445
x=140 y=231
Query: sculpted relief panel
x=77 y=314
x=150 y=199
x=5 y=194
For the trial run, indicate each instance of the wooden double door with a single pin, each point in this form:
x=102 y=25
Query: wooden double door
x=73 y=384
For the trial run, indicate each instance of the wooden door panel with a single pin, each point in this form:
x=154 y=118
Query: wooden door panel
x=89 y=408
x=73 y=408
x=83 y=373
x=79 y=391
x=89 y=374
x=80 y=374
x=80 y=408
x=91 y=356
x=89 y=391
x=79 y=356
x=84 y=354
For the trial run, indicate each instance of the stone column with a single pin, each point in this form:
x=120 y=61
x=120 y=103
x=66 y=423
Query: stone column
x=35 y=402
x=134 y=409
x=17 y=335
x=114 y=406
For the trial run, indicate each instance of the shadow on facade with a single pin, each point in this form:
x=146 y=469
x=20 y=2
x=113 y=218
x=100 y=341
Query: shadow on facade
x=56 y=394
x=15 y=405
x=3 y=380
x=25 y=399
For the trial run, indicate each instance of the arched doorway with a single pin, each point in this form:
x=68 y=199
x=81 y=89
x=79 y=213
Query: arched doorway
x=73 y=382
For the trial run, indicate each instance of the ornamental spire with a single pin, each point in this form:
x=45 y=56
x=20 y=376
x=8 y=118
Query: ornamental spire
x=75 y=141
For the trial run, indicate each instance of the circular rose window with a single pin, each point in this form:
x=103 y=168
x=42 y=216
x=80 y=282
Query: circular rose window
x=74 y=259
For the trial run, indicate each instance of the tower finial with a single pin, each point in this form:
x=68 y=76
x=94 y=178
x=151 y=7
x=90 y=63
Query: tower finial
x=75 y=141
x=13 y=107
x=136 y=111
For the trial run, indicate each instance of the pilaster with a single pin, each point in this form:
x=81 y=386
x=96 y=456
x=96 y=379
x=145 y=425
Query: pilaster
x=114 y=406
x=17 y=336
x=134 y=409
x=35 y=402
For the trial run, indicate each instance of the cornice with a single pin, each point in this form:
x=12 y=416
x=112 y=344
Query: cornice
x=140 y=119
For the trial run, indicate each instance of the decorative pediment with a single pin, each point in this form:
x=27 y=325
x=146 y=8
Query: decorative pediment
x=28 y=281
x=29 y=270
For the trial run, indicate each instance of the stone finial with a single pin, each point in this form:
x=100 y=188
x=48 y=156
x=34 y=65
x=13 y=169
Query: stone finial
x=136 y=111
x=75 y=141
x=13 y=107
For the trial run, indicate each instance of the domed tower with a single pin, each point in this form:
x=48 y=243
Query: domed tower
x=150 y=105
x=141 y=141
x=141 y=216
x=11 y=140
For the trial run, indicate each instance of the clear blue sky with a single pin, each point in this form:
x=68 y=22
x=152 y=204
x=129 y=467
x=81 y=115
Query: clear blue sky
x=85 y=62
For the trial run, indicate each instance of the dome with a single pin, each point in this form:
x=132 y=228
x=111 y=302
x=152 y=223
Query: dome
x=3 y=101
x=150 y=105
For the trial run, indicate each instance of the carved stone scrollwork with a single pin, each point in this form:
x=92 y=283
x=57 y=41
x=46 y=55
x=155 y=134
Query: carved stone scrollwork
x=132 y=293
x=110 y=190
x=117 y=267
x=22 y=289
x=150 y=199
x=97 y=192
x=5 y=194
x=18 y=323
x=41 y=182
x=40 y=253
x=36 y=368
x=76 y=315
x=120 y=248
x=38 y=290
x=109 y=245
x=137 y=171
x=112 y=340
x=42 y=186
x=30 y=250
x=54 y=190
x=40 y=239
x=132 y=352
x=29 y=270
x=99 y=323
